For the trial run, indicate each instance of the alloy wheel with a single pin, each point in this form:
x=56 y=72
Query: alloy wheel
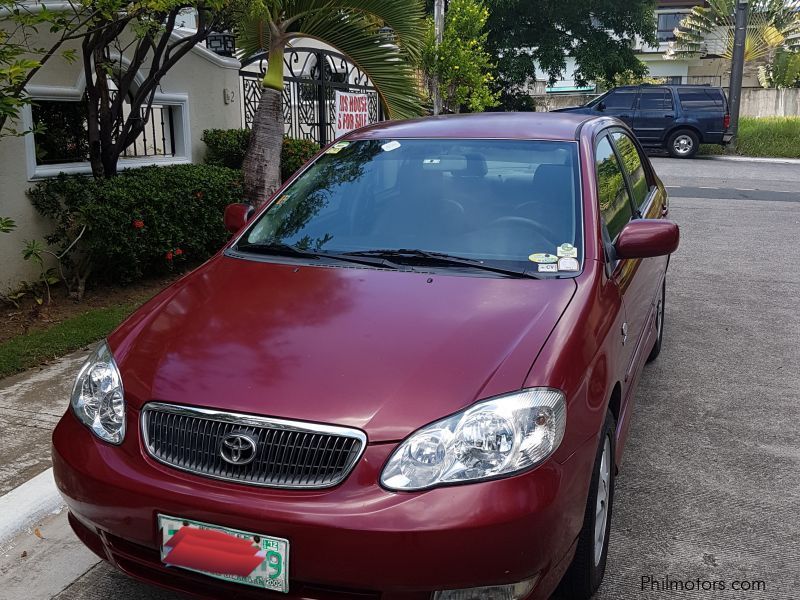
x=602 y=506
x=683 y=144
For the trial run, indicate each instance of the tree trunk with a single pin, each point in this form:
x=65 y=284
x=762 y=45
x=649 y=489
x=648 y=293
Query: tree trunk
x=262 y=162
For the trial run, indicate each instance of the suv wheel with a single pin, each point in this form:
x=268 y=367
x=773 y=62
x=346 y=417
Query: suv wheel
x=589 y=565
x=683 y=143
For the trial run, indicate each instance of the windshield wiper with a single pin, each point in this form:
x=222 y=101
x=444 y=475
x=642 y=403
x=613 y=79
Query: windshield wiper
x=281 y=249
x=440 y=257
x=277 y=249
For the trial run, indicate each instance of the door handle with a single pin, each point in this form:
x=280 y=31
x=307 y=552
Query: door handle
x=669 y=116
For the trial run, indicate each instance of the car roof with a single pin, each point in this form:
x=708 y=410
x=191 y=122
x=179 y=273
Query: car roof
x=510 y=125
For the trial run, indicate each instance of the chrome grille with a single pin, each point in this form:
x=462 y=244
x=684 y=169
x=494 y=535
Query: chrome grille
x=288 y=454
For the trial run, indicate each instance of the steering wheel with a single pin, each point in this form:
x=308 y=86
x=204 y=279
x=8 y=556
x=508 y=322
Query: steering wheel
x=540 y=229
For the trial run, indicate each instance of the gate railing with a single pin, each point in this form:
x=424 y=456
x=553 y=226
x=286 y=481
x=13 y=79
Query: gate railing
x=311 y=78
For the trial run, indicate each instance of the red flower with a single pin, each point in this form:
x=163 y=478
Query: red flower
x=178 y=251
x=138 y=223
x=199 y=195
x=169 y=255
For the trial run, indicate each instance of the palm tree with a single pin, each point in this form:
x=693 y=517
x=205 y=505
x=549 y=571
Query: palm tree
x=352 y=27
x=771 y=25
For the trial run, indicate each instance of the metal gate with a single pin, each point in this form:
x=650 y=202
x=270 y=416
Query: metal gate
x=311 y=78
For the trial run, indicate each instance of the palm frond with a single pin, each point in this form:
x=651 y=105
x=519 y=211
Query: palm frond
x=388 y=66
x=252 y=35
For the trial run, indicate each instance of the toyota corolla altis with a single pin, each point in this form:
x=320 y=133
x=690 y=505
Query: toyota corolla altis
x=408 y=376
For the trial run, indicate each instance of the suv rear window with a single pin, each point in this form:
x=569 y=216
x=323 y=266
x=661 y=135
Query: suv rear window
x=701 y=98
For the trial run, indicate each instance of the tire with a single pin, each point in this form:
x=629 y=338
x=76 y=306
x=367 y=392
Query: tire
x=585 y=573
x=659 y=324
x=683 y=143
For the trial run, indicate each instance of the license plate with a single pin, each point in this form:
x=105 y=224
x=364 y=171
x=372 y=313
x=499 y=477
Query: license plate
x=223 y=553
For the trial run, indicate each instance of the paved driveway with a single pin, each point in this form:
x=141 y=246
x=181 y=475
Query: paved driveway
x=709 y=493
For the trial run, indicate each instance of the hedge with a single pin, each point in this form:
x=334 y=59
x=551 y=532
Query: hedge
x=144 y=221
x=227 y=147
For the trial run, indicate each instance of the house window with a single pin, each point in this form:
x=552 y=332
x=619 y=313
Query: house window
x=60 y=132
x=667 y=22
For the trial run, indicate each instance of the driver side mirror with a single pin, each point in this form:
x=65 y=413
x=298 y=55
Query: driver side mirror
x=601 y=106
x=644 y=238
x=237 y=215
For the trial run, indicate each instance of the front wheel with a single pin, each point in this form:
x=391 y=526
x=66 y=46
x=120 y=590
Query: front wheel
x=683 y=143
x=589 y=565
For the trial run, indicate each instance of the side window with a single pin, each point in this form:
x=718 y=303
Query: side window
x=657 y=99
x=615 y=203
x=701 y=98
x=632 y=161
x=620 y=99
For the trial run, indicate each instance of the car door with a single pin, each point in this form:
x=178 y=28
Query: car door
x=654 y=115
x=619 y=103
x=642 y=277
x=616 y=211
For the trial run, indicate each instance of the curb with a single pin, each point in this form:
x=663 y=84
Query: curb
x=777 y=161
x=24 y=505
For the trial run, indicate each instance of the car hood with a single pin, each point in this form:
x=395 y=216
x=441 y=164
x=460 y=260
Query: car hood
x=383 y=351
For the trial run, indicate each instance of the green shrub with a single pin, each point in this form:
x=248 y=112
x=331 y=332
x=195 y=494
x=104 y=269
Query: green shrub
x=227 y=147
x=143 y=221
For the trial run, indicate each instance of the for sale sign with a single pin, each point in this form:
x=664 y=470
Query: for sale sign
x=352 y=112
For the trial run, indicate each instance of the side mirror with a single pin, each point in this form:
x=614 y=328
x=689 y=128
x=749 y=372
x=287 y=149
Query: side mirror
x=237 y=215
x=644 y=238
x=601 y=106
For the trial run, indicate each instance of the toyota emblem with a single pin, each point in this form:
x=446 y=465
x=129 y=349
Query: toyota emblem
x=238 y=448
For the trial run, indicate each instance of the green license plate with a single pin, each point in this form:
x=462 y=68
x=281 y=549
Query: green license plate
x=223 y=553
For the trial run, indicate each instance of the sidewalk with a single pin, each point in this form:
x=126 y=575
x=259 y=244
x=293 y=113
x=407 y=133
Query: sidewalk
x=775 y=161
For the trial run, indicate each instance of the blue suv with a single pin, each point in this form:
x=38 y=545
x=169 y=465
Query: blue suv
x=677 y=118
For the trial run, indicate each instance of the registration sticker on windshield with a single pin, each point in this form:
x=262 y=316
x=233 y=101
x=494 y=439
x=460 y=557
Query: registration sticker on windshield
x=548 y=268
x=542 y=257
x=389 y=146
x=567 y=251
x=337 y=147
x=568 y=264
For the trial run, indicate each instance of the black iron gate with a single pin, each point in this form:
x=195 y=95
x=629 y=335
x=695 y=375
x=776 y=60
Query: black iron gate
x=311 y=78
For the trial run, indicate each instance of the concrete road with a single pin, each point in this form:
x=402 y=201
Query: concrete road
x=709 y=493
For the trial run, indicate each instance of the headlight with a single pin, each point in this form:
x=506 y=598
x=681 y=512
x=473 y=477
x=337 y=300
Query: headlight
x=98 y=398
x=499 y=436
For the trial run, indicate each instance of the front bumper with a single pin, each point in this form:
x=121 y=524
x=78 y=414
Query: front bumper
x=353 y=541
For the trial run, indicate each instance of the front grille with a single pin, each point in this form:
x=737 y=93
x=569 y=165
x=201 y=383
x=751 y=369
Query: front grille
x=287 y=454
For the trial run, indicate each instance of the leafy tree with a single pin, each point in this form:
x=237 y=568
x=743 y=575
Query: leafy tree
x=461 y=64
x=771 y=25
x=23 y=53
x=119 y=107
x=784 y=72
x=351 y=26
x=598 y=34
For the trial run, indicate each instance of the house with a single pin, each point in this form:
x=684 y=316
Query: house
x=196 y=94
x=710 y=68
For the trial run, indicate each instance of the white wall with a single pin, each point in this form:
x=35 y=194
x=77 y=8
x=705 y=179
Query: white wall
x=197 y=82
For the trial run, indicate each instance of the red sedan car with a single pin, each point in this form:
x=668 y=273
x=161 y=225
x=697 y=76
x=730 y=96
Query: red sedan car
x=409 y=376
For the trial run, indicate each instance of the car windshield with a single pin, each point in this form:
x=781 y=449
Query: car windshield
x=501 y=202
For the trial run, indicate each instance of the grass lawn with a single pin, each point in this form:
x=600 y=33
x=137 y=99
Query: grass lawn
x=32 y=349
x=776 y=137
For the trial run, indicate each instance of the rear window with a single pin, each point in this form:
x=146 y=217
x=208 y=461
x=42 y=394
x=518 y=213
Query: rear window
x=700 y=98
